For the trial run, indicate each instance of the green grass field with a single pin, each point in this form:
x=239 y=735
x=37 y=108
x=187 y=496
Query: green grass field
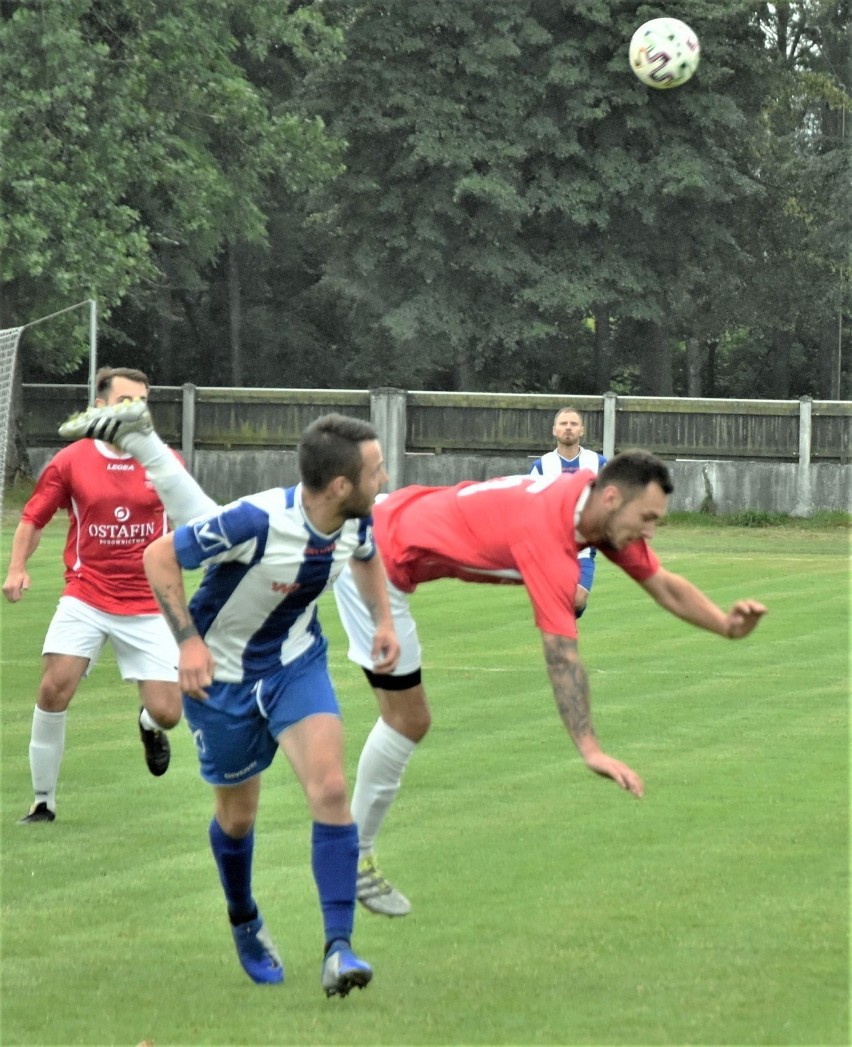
x=549 y=906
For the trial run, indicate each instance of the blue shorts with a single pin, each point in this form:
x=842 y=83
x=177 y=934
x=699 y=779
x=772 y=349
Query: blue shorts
x=236 y=729
x=587 y=572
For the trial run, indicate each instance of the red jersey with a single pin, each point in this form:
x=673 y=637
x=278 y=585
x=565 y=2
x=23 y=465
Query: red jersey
x=517 y=529
x=114 y=513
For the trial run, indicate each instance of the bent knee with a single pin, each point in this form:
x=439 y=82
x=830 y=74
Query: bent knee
x=407 y=712
x=164 y=704
x=411 y=723
x=328 y=797
x=169 y=719
x=59 y=683
x=416 y=724
x=165 y=719
x=53 y=699
x=236 y=824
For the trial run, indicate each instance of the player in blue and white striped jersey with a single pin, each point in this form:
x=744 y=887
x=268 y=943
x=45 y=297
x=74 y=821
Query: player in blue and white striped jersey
x=266 y=565
x=254 y=671
x=569 y=457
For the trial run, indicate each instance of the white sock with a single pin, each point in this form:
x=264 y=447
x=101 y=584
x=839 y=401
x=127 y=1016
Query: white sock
x=146 y=448
x=148 y=721
x=47 y=747
x=382 y=762
x=179 y=492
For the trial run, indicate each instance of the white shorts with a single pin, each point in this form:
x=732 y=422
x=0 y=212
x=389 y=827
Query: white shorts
x=144 y=647
x=360 y=627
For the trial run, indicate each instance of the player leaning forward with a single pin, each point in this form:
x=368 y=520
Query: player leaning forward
x=253 y=665
x=521 y=530
x=517 y=530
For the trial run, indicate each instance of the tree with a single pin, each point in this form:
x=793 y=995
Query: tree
x=67 y=232
x=801 y=276
x=138 y=152
x=507 y=178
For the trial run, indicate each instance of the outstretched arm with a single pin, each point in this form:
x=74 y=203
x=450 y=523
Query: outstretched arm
x=165 y=577
x=688 y=602
x=370 y=578
x=24 y=544
x=570 y=683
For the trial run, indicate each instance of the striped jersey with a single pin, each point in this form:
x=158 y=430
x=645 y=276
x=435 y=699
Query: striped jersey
x=515 y=529
x=114 y=514
x=266 y=567
x=552 y=463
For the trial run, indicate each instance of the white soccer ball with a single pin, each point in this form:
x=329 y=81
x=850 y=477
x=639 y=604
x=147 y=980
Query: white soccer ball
x=664 y=52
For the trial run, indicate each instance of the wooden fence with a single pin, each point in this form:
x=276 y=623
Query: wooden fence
x=437 y=437
x=482 y=423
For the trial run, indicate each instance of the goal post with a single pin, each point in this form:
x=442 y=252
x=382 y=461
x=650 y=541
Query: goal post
x=10 y=338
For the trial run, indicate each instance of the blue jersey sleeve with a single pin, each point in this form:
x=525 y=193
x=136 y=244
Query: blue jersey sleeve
x=225 y=536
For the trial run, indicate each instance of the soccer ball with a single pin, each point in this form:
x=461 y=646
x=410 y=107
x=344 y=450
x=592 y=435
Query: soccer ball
x=664 y=52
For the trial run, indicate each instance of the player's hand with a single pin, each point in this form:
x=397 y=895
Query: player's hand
x=385 y=651
x=621 y=774
x=16 y=584
x=195 y=667
x=743 y=618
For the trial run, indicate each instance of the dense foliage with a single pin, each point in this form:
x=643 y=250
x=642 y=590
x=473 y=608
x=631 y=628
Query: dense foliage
x=442 y=194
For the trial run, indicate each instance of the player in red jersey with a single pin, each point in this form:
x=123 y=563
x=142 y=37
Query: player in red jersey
x=114 y=513
x=521 y=530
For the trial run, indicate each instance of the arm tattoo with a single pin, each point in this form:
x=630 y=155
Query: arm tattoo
x=570 y=685
x=176 y=614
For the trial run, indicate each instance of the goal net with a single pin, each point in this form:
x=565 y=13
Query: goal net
x=9 y=338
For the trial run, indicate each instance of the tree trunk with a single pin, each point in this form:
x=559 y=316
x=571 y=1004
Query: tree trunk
x=665 y=355
x=779 y=366
x=657 y=361
x=235 y=314
x=828 y=368
x=693 y=367
x=464 y=376
x=167 y=357
x=603 y=349
x=710 y=384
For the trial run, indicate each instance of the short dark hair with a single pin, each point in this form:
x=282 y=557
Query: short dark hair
x=633 y=470
x=105 y=375
x=330 y=447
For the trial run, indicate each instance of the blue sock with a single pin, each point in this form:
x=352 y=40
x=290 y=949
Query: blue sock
x=334 y=859
x=233 y=859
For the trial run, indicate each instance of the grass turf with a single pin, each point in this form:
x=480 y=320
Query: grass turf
x=549 y=907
